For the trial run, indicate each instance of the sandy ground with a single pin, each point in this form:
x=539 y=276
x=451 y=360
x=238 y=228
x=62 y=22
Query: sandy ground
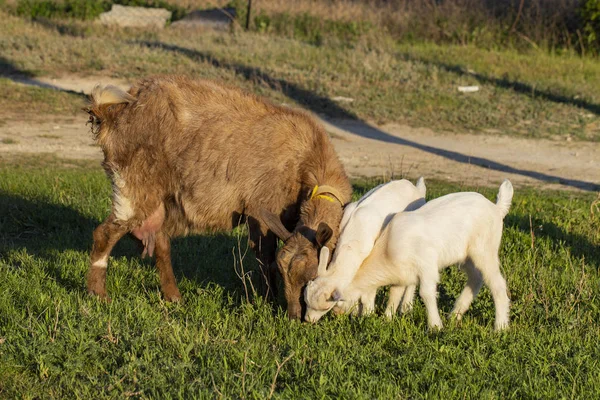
x=365 y=149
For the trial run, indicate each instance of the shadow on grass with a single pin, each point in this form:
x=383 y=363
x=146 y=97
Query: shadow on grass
x=10 y=71
x=63 y=28
x=46 y=231
x=579 y=246
x=322 y=104
x=519 y=87
x=303 y=96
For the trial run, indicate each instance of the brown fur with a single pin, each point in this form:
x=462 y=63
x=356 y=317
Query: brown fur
x=188 y=156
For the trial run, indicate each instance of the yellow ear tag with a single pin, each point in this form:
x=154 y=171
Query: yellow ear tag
x=312 y=195
x=320 y=196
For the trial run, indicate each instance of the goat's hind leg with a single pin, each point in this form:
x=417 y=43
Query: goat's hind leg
x=474 y=282
x=106 y=235
x=168 y=284
x=489 y=265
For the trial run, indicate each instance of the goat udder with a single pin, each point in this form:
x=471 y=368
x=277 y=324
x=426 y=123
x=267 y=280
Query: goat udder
x=146 y=232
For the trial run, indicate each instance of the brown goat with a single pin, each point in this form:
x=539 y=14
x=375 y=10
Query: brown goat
x=189 y=156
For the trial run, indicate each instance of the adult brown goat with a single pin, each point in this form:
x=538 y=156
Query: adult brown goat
x=189 y=156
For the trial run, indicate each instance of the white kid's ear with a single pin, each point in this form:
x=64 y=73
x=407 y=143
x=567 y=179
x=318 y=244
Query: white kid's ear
x=421 y=186
x=335 y=296
x=323 y=260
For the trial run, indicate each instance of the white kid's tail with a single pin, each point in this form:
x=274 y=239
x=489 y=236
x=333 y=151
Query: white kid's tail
x=505 y=195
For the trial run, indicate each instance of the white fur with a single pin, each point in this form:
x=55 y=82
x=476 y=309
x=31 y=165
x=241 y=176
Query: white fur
x=101 y=262
x=361 y=224
x=121 y=204
x=463 y=228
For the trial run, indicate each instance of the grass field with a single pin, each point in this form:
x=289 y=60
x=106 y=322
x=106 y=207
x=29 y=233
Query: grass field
x=56 y=342
x=20 y=102
x=533 y=94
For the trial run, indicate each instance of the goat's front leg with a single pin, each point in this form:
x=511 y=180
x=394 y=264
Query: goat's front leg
x=402 y=296
x=396 y=295
x=428 y=293
x=168 y=284
x=408 y=298
x=367 y=301
x=106 y=235
x=264 y=244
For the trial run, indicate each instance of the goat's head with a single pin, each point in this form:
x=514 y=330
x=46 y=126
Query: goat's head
x=320 y=296
x=298 y=259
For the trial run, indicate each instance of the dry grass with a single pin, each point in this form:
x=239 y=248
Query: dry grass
x=521 y=24
x=18 y=101
x=488 y=23
x=532 y=95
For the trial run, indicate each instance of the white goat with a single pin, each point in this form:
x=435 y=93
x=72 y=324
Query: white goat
x=463 y=228
x=361 y=224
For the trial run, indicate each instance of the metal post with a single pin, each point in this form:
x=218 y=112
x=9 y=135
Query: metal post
x=248 y=14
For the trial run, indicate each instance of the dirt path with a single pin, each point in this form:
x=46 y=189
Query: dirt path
x=365 y=149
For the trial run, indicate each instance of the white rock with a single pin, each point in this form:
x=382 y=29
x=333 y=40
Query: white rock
x=342 y=99
x=468 y=89
x=135 y=17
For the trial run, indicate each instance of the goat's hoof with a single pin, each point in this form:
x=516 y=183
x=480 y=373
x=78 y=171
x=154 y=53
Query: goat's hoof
x=174 y=298
x=99 y=295
x=456 y=317
x=455 y=320
x=171 y=293
x=406 y=308
x=501 y=326
x=435 y=328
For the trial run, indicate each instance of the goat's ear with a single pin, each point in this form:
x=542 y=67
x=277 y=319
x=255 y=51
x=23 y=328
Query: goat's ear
x=421 y=186
x=324 y=233
x=323 y=260
x=274 y=224
x=335 y=296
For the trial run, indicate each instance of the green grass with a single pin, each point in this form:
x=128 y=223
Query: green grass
x=85 y=9
x=312 y=29
x=56 y=342
x=533 y=95
x=18 y=101
x=9 y=141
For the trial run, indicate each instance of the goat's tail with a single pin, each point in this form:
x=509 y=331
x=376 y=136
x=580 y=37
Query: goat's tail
x=505 y=195
x=101 y=98
x=421 y=186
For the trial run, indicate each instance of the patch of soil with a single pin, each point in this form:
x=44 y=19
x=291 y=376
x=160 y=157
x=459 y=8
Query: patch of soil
x=365 y=149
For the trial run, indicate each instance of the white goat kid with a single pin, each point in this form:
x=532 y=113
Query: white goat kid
x=361 y=224
x=463 y=228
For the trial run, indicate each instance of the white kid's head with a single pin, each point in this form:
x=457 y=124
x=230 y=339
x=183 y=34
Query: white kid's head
x=318 y=295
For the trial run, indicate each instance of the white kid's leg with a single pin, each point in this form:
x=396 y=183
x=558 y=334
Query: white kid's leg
x=408 y=299
x=368 y=302
x=474 y=282
x=396 y=294
x=428 y=293
x=490 y=269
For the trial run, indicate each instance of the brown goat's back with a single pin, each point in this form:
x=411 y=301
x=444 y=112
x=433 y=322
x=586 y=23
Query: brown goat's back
x=212 y=153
